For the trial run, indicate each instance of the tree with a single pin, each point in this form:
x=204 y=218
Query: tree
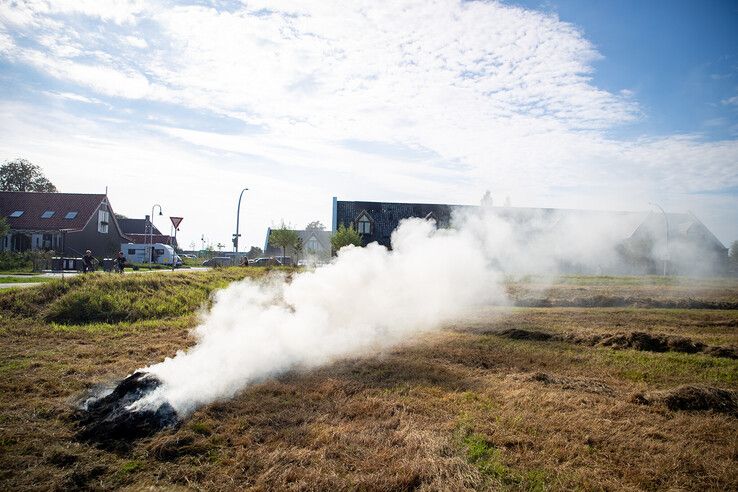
x=299 y=246
x=22 y=175
x=4 y=227
x=283 y=238
x=316 y=225
x=345 y=236
x=254 y=252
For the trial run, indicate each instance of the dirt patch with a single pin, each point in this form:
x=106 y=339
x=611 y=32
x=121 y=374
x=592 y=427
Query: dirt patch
x=608 y=301
x=518 y=334
x=636 y=340
x=578 y=384
x=640 y=340
x=692 y=398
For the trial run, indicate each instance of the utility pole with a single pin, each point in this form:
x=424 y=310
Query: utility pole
x=238 y=220
x=151 y=231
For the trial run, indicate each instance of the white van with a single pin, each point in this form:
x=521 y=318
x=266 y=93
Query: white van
x=137 y=253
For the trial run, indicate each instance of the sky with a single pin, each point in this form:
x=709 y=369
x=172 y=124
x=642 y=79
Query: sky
x=586 y=104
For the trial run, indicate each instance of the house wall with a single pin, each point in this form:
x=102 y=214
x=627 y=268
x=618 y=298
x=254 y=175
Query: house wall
x=101 y=244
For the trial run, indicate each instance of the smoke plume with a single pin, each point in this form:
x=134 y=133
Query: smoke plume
x=371 y=298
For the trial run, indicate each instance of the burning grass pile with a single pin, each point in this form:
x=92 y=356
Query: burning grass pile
x=111 y=420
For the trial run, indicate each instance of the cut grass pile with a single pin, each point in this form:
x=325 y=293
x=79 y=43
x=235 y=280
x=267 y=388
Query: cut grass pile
x=462 y=409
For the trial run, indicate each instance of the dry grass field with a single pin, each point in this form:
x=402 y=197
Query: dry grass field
x=592 y=383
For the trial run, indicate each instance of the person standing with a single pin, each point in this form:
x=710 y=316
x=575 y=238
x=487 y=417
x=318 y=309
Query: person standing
x=119 y=262
x=88 y=262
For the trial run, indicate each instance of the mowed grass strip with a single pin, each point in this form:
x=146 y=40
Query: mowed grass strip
x=108 y=298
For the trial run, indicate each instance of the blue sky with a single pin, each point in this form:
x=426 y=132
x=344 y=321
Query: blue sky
x=579 y=104
x=679 y=57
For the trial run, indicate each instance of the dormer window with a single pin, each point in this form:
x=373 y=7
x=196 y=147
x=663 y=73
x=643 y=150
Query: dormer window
x=48 y=214
x=16 y=214
x=364 y=225
x=70 y=215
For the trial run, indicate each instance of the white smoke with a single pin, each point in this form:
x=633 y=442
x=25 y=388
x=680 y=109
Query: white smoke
x=372 y=298
x=366 y=299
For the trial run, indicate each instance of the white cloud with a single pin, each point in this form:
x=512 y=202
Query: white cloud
x=497 y=96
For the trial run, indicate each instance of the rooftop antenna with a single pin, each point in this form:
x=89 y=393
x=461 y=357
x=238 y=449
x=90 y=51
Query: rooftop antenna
x=106 y=190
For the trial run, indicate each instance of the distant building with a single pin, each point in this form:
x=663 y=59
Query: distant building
x=375 y=221
x=141 y=231
x=636 y=239
x=67 y=223
x=316 y=243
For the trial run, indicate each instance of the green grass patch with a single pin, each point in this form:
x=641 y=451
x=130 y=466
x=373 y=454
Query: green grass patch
x=131 y=466
x=654 y=367
x=26 y=279
x=488 y=459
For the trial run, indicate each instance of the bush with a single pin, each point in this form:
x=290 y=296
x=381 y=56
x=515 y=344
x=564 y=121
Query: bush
x=21 y=261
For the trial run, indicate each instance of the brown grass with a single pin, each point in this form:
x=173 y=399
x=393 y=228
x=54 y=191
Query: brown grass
x=459 y=409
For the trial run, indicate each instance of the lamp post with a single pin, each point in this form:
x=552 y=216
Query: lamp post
x=238 y=219
x=666 y=220
x=151 y=231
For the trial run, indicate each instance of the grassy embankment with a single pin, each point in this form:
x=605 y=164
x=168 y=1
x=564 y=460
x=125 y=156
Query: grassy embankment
x=467 y=407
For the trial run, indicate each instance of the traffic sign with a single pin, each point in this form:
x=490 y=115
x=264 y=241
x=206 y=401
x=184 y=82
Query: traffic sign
x=176 y=221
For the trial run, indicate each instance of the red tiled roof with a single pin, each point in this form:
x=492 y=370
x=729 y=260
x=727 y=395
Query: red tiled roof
x=34 y=204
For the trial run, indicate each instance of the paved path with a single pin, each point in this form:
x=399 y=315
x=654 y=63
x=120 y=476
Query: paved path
x=7 y=285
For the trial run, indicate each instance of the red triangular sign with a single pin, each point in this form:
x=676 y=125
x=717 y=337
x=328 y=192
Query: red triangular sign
x=176 y=221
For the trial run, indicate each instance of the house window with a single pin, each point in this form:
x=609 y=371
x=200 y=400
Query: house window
x=312 y=245
x=48 y=214
x=363 y=225
x=131 y=251
x=16 y=214
x=102 y=221
x=70 y=215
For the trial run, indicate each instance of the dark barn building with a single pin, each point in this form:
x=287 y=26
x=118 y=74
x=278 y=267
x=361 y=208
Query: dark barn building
x=639 y=243
x=67 y=223
x=375 y=221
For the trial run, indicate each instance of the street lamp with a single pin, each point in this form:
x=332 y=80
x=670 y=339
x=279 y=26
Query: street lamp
x=151 y=231
x=238 y=219
x=666 y=220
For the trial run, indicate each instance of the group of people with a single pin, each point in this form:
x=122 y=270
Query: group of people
x=89 y=262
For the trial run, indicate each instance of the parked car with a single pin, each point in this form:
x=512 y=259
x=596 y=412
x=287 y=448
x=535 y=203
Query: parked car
x=264 y=262
x=218 y=261
x=284 y=260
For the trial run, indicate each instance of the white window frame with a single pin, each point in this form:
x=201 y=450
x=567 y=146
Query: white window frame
x=103 y=221
x=313 y=245
x=364 y=225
